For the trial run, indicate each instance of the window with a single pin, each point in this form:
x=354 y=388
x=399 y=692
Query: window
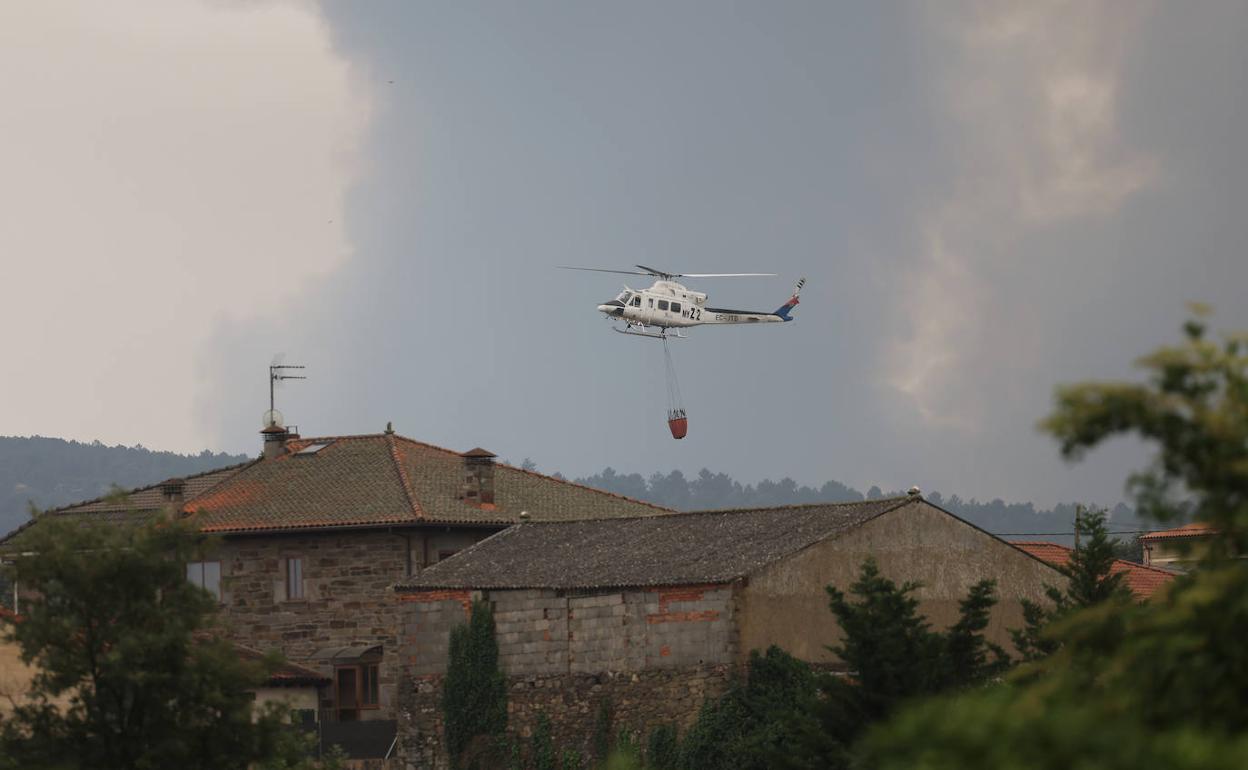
x=294 y=578
x=662 y=304
x=206 y=575
x=675 y=307
x=652 y=302
x=636 y=301
x=355 y=688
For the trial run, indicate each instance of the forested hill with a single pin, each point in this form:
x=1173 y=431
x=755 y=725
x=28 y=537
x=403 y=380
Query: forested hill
x=707 y=490
x=52 y=472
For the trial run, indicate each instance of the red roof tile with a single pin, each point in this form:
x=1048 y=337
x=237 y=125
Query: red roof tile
x=364 y=481
x=1143 y=581
x=1195 y=529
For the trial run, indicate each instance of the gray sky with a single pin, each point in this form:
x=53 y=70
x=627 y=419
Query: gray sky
x=987 y=199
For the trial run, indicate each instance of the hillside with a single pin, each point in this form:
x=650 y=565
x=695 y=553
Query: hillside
x=51 y=472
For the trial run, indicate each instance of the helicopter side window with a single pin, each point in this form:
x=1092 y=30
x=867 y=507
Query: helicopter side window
x=636 y=300
x=651 y=301
x=675 y=307
x=662 y=304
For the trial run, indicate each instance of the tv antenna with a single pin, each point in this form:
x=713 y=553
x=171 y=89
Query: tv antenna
x=278 y=373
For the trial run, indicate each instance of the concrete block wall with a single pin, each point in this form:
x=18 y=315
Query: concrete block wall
x=545 y=632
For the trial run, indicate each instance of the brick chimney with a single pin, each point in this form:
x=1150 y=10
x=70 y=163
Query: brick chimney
x=274 y=440
x=478 y=489
x=173 y=490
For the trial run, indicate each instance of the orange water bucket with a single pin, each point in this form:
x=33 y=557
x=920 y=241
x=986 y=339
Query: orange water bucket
x=678 y=423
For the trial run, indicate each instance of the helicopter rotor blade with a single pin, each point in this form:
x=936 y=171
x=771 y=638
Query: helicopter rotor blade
x=724 y=275
x=602 y=270
x=663 y=274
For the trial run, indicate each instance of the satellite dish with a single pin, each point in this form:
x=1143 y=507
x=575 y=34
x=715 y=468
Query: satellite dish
x=273 y=419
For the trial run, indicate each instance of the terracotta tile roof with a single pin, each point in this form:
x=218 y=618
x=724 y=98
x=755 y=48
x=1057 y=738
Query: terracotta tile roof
x=139 y=503
x=362 y=481
x=1195 y=529
x=678 y=549
x=1143 y=581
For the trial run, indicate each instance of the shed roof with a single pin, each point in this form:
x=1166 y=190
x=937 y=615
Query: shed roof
x=678 y=549
x=1143 y=580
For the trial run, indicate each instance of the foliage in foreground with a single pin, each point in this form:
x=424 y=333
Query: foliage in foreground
x=118 y=633
x=1158 y=684
x=1089 y=582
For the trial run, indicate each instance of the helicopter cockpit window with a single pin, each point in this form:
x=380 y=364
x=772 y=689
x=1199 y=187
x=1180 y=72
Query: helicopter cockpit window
x=624 y=295
x=636 y=300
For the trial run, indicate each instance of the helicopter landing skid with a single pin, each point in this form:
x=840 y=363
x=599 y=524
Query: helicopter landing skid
x=640 y=331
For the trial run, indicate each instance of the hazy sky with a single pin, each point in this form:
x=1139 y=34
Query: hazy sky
x=987 y=199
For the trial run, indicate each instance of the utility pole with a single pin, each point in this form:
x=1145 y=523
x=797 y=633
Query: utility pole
x=1078 y=517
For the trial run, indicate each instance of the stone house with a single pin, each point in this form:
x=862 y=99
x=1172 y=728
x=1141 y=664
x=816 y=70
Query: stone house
x=656 y=613
x=314 y=534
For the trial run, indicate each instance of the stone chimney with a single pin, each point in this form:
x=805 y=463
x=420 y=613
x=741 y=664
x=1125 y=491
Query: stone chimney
x=478 y=489
x=173 y=490
x=274 y=440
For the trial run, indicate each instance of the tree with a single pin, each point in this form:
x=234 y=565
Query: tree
x=1158 y=683
x=474 y=694
x=1090 y=581
x=757 y=719
x=119 y=631
x=892 y=655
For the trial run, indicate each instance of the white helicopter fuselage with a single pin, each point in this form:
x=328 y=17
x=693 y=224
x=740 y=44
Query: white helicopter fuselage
x=668 y=304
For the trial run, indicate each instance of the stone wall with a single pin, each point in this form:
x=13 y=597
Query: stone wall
x=347 y=598
x=347 y=586
x=639 y=702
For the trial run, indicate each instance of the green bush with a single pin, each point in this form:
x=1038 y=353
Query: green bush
x=542 y=748
x=663 y=749
x=602 y=730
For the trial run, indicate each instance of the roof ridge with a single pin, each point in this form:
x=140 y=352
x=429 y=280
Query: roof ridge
x=407 y=581
x=404 y=481
x=147 y=487
x=894 y=498
x=674 y=514
x=571 y=483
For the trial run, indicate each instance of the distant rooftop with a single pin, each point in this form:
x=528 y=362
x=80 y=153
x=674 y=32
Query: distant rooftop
x=1143 y=580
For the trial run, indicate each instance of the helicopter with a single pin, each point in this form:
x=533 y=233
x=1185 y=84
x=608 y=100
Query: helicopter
x=669 y=305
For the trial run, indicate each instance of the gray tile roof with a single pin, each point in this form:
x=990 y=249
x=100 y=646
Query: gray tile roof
x=678 y=549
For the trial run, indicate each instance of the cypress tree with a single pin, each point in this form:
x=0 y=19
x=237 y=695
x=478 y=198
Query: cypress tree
x=474 y=695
